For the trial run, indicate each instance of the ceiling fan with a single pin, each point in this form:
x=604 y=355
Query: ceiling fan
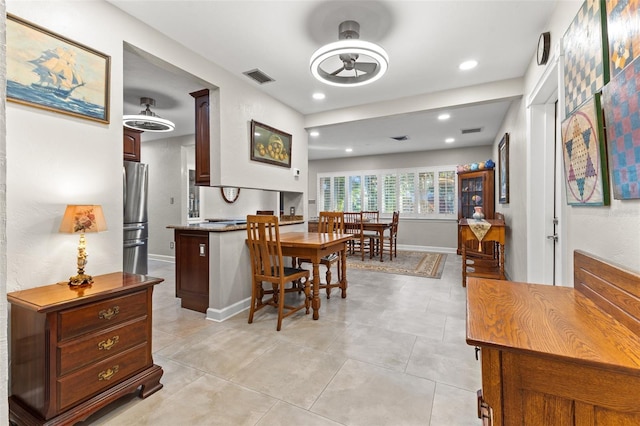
x=349 y=30
x=348 y=50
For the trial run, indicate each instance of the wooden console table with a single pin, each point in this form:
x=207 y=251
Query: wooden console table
x=75 y=350
x=559 y=355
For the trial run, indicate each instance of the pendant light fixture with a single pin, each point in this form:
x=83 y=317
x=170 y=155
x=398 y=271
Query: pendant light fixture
x=349 y=61
x=147 y=120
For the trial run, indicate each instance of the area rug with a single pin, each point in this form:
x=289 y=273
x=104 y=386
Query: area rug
x=416 y=263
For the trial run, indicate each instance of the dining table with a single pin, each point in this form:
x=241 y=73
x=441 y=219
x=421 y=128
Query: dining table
x=314 y=246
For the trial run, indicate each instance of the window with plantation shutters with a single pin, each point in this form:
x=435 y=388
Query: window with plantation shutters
x=339 y=193
x=355 y=193
x=420 y=193
x=324 y=194
x=447 y=192
x=407 y=192
x=370 y=193
x=389 y=193
x=426 y=193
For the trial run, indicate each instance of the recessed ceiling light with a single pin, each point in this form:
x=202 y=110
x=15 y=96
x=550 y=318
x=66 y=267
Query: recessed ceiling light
x=449 y=140
x=348 y=150
x=314 y=133
x=319 y=96
x=444 y=117
x=467 y=65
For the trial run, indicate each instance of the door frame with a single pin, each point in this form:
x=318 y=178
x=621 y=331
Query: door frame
x=543 y=129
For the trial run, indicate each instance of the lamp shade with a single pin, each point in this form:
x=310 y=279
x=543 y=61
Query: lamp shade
x=83 y=218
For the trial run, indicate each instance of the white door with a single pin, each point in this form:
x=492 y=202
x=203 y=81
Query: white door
x=545 y=212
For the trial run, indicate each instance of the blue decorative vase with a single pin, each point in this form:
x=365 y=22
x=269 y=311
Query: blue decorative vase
x=474 y=167
x=489 y=164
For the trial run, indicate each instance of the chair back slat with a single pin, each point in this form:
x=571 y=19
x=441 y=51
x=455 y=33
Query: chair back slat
x=353 y=222
x=394 y=223
x=373 y=216
x=264 y=246
x=331 y=222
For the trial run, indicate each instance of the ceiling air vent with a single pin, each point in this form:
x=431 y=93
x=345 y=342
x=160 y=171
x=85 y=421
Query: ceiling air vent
x=400 y=138
x=474 y=130
x=258 y=76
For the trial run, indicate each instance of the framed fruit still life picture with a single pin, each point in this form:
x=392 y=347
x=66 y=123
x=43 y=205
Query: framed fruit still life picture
x=270 y=145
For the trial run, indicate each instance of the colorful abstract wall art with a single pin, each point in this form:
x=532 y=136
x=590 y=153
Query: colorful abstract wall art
x=623 y=28
x=620 y=100
x=584 y=156
x=586 y=66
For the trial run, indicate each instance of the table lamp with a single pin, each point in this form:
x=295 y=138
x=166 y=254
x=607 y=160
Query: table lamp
x=82 y=218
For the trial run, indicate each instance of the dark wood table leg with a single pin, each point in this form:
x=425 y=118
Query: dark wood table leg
x=315 y=300
x=343 y=265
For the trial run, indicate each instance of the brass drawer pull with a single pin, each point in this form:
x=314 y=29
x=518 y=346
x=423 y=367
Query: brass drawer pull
x=109 y=313
x=109 y=343
x=108 y=373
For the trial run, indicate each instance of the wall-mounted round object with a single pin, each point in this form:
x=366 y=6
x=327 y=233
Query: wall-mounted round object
x=230 y=194
x=544 y=47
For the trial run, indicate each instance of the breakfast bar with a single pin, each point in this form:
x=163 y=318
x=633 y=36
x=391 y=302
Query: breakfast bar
x=213 y=273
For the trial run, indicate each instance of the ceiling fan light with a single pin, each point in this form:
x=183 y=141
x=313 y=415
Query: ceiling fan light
x=148 y=123
x=349 y=46
x=147 y=120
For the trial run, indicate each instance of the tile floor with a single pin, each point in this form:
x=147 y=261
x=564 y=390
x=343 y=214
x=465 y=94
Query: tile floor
x=392 y=353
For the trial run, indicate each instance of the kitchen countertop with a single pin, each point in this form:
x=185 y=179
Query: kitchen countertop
x=223 y=225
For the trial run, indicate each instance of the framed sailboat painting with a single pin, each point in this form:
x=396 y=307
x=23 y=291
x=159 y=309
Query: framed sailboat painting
x=48 y=71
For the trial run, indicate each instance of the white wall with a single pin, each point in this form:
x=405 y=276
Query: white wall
x=515 y=212
x=165 y=183
x=4 y=391
x=435 y=234
x=611 y=232
x=54 y=160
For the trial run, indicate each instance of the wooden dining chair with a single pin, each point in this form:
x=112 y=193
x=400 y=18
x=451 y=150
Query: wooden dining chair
x=371 y=215
x=267 y=266
x=369 y=236
x=353 y=225
x=329 y=223
x=389 y=241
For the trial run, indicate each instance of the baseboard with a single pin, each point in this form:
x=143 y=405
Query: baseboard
x=448 y=250
x=162 y=258
x=219 y=315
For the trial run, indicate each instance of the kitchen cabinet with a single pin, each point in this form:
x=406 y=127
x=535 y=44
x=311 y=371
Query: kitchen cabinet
x=131 y=144
x=203 y=141
x=192 y=269
x=76 y=349
x=472 y=185
x=558 y=355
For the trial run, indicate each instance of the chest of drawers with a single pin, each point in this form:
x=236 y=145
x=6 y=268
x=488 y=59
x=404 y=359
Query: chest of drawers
x=75 y=350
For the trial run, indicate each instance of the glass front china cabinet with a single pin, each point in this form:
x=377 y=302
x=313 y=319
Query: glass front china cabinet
x=475 y=188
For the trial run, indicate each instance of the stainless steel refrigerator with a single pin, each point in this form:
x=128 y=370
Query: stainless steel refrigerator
x=136 y=225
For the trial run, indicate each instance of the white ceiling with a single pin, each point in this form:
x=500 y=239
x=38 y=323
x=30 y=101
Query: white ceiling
x=426 y=41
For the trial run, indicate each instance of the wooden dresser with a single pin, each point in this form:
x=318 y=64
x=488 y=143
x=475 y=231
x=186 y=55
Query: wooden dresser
x=75 y=350
x=559 y=355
